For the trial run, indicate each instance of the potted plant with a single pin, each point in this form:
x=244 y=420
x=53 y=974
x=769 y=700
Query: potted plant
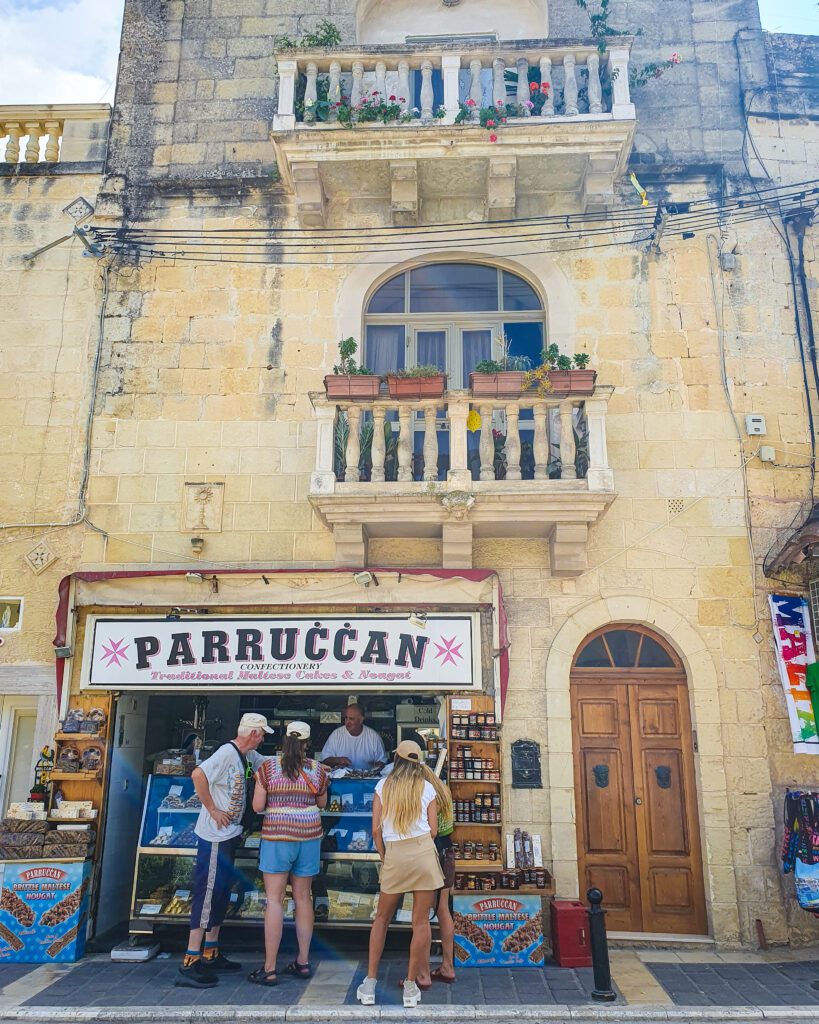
x=38 y=793
x=348 y=379
x=417 y=382
x=500 y=378
x=562 y=375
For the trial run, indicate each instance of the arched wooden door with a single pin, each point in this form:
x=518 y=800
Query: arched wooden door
x=637 y=824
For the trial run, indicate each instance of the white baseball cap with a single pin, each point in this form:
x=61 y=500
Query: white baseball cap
x=253 y=721
x=300 y=729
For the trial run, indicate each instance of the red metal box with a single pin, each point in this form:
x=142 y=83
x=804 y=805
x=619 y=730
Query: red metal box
x=570 y=933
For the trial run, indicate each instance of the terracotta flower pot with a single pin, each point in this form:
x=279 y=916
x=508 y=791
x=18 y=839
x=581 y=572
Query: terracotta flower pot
x=416 y=387
x=362 y=385
x=572 y=382
x=506 y=384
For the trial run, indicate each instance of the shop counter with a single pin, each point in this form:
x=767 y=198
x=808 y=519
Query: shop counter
x=43 y=910
x=345 y=893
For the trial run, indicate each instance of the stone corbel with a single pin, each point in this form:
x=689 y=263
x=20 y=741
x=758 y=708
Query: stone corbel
x=568 y=549
x=458 y=505
x=310 y=200
x=351 y=545
x=598 y=184
x=404 y=192
x=501 y=188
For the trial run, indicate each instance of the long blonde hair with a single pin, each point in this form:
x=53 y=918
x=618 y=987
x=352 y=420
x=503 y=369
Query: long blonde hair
x=401 y=795
x=446 y=811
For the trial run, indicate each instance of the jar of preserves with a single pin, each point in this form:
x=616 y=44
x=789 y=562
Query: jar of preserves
x=514 y=880
x=459 y=880
x=466 y=753
x=480 y=719
x=469 y=850
x=493 y=851
x=486 y=883
x=471 y=882
x=540 y=878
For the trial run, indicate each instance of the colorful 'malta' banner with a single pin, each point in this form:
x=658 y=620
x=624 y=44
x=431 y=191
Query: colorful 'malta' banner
x=794 y=649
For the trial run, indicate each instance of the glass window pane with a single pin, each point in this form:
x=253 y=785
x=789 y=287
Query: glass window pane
x=453 y=288
x=525 y=339
x=475 y=346
x=517 y=294
x=432 y=349
x=389 y=298
x=623 y=646
x=385 y=350
x=594 y=655
x=652 y=655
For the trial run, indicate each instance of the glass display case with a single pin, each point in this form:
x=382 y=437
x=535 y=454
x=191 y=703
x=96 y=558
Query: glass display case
x=345 y=892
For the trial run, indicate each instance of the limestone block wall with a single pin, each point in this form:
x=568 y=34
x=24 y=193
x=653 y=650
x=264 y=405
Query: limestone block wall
x=49 y=334
x=207 y=374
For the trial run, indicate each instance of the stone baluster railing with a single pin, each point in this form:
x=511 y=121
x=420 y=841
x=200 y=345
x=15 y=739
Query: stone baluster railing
x=548 y=414
x=33 y=131
x=383 y=70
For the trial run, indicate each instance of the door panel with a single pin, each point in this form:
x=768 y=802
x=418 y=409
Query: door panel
x=638 y=831
x=667 y=820
x=607 y=836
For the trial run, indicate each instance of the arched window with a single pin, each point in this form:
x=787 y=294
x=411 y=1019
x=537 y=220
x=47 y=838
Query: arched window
x=452 y=315
x=626 y=647
x=395 y=21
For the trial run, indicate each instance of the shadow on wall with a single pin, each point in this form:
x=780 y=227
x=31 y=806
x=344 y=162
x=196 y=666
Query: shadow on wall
x=391 y=21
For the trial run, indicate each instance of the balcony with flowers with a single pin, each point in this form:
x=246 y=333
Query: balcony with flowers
x=532 y=124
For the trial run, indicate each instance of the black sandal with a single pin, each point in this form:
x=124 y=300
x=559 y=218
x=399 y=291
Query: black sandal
x=262 y=977
x=298 y=970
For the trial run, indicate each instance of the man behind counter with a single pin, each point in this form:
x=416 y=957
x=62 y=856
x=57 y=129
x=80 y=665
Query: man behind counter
x=354 y=744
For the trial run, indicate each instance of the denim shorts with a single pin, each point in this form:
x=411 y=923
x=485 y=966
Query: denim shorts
x=300 y=859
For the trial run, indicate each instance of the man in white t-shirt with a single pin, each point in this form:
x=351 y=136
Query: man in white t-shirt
x=354 y=744
x=221 y=785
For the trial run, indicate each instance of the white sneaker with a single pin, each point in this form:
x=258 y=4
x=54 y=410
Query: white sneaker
x=412 y=995
x=365 y=993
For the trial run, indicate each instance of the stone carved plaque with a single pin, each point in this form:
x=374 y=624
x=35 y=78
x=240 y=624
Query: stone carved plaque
x=40 y=558
x=202 y=507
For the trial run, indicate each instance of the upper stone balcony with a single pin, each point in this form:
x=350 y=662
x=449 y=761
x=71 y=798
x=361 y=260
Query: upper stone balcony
x=463 y=467
x=563 y=152
x=39 y=137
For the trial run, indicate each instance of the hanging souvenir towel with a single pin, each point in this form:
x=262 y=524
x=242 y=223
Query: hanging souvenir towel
x=794 y=652
x=806 y=877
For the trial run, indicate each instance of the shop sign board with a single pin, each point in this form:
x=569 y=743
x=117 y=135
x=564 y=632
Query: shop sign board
x=43 y=912
x=498 y=929
x=794 y=652
x=365 y=652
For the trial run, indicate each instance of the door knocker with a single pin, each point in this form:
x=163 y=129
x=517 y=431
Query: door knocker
x=601 y=775
x=663 y=773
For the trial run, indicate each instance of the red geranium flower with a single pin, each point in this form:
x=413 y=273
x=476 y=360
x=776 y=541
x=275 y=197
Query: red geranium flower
x=544 y=88
x=470 y=103
x=493 y=137
x=490 y=124
x=392 y=99
x=533 y=87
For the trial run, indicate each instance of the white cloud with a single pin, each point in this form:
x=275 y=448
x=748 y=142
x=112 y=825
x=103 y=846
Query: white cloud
x=59 y=51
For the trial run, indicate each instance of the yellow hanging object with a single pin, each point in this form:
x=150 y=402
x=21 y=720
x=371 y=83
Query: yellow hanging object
x=473 y=421
x=639 y=188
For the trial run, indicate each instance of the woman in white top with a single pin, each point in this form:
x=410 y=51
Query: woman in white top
x=405 y=822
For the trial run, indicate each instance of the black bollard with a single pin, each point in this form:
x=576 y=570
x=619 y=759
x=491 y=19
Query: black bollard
x=602 y=990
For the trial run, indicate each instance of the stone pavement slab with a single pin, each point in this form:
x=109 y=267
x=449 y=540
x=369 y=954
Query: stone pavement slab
x=737 y=984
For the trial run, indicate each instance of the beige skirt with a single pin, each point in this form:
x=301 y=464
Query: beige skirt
x=411 y=865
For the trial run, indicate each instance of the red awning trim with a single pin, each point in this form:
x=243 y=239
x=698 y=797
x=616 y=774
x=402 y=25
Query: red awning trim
x=474 y=575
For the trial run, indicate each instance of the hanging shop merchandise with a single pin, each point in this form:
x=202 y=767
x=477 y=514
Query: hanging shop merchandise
x=794 y=652
x=800 y=846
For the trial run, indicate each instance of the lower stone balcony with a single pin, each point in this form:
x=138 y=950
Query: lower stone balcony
x=460 y=468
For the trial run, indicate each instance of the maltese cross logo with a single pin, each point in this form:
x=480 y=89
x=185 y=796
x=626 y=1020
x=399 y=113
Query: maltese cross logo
x=114 y=653
x=448 y=650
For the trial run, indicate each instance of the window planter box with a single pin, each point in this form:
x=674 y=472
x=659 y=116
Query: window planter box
x=416 y=387
x=506 y=384
x=572 y=382
x=362 y=385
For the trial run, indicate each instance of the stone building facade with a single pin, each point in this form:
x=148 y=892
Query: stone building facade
x=241 y=242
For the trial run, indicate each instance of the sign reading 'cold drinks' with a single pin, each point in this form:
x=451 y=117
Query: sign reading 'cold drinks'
x=294 y=652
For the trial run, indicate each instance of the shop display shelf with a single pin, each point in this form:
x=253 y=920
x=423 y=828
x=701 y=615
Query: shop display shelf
x=58 y=776
x=479 y=867
x=473 y=782
x=350 y=856
x=75 y=737
x=346 y=814
x=471 y=743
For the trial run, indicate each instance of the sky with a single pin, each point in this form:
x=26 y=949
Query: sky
x=65 y=51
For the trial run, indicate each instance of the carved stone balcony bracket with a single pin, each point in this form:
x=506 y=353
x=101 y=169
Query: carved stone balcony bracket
x=557 y=496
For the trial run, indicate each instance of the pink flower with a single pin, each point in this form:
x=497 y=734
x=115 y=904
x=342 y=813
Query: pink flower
x=469 y=103
x=490 y=124
x=544 y=88
x=533 y=87
x=675 y=58
x=493 y=137
x=530 y=105
x=401 y=99
x=392 y=99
